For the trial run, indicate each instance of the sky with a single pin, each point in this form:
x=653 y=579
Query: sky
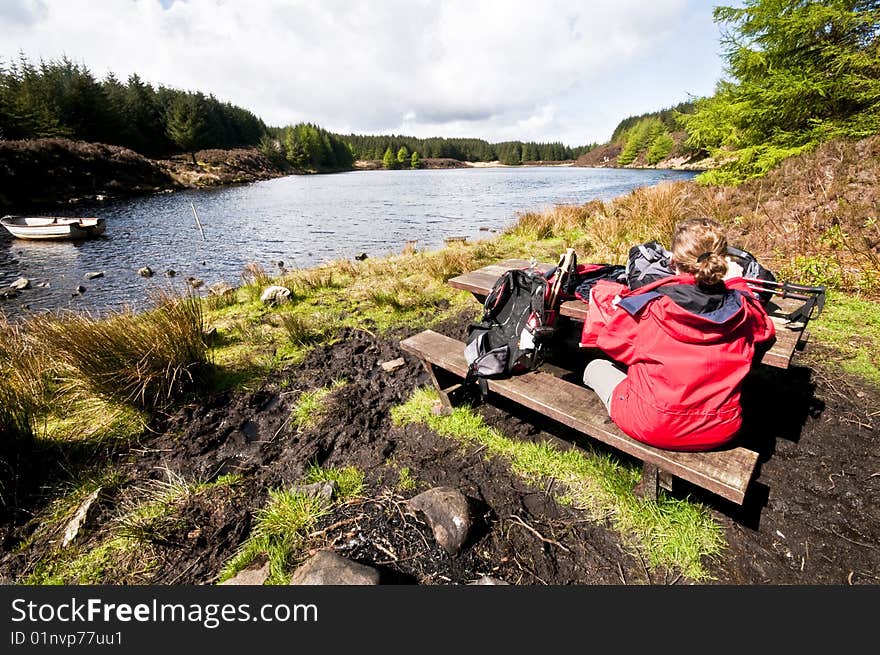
x=548 y=70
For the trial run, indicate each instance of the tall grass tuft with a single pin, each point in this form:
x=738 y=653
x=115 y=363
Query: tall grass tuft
x=148 y=359
x=22 y=381
x=449 y=262
x=255 y=275
x=22 y=389
x=304 y=330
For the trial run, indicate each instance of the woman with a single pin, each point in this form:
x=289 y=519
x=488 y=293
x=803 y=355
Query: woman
x=687 y=340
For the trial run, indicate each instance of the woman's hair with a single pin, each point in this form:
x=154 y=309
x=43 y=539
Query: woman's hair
x=699 y=247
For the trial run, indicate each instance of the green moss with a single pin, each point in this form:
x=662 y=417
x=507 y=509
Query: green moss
x=669 y=533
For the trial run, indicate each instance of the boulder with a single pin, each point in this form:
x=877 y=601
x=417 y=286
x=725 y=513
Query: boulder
x=170 y=272
x=488 y=580
x=361 y=257
x=326 y=490
x=328 y=568
x=275 y=295
x=94 y=274
x=80 y=289
x=20 y=283
x=255 y=574
x=447 y=513
x=71 y=530
x=145 y=271
x=220 y=289
x=8 y=293
x=195 y=282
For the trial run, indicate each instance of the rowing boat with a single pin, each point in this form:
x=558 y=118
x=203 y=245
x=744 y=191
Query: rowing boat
x=53 y=227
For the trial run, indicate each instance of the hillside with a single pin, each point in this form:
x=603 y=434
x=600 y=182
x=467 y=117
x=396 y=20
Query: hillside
x=51 y=172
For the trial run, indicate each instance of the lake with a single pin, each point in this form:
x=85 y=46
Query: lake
x=300 y=220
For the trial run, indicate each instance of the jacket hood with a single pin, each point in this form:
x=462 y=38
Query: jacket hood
x=687 y=311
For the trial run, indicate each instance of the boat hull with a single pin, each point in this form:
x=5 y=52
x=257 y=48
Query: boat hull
x=43 y=228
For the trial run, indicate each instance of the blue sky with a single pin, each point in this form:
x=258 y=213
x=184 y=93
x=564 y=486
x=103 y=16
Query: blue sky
x=555 y=70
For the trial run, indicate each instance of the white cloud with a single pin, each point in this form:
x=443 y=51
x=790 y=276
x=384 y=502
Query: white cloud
x=490 y=68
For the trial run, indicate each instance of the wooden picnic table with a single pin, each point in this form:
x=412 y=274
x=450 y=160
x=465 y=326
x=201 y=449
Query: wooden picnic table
x=481 y=281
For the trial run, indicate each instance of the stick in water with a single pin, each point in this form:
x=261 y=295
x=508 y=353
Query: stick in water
x=198 y=222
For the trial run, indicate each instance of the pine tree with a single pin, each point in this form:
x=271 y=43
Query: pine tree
x=801 y=73
x=402 y=155
x=388 y=160
x=414 y=161
x=185 y=123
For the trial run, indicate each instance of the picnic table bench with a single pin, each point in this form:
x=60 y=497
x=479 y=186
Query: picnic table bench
x=726 y=472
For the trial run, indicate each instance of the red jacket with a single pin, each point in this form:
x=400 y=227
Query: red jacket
x=688 y=350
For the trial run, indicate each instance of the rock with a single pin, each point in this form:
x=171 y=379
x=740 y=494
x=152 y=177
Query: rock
x=220 y=289
x=20 y=283
x=483 y=229
x=361 y=257
x=439 y=409
x=318 y=489
x=93 y=275
x=281 y=264
x=170 y=272
x=448 y=515
x=209 y=336
x=71 y=530
x=195 y=282
x=8 y=293
x=328 y=568
x=43 y=285
x=275 y=295
x=80 y=289
x=488 y=580
x=393 y=365
x=255 y=574
x=146 y=271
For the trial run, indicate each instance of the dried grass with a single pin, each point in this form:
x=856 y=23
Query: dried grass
x=147 y=359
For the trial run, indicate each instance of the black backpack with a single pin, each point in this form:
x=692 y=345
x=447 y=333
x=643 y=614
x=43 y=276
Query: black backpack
x=647 y=263
x=651 y=261
x=509 y=338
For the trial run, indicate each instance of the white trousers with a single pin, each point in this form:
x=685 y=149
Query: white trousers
x=603 y=377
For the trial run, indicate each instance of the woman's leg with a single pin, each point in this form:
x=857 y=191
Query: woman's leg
x=602 y=377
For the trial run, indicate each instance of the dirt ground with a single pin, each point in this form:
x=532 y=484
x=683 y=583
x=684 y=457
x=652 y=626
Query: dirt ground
x=812 y=517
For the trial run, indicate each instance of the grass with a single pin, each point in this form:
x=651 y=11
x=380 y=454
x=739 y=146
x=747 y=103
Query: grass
x=312 y=406
x=349 y=480
x=668 y=533
x=147 y=359
x=52 y=521
x=92 y=419
x=126 y=549
x=405 y=481
x=283 y=524
x=851 y=325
